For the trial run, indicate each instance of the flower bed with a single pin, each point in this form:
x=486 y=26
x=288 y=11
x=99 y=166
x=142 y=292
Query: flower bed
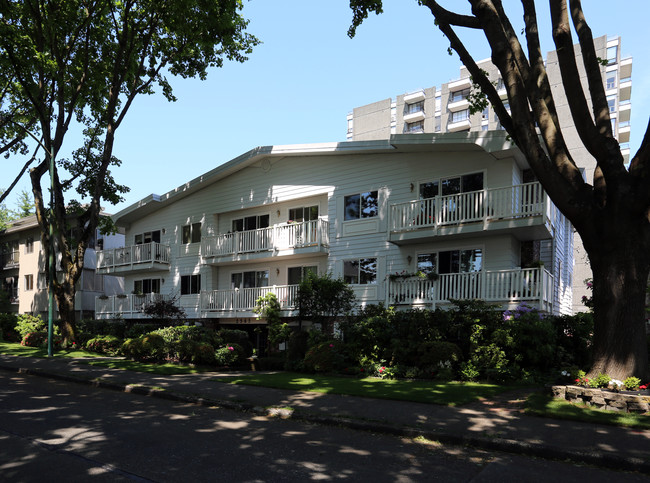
x=626 y=401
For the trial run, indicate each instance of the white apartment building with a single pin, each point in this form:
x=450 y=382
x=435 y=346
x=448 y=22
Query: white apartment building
x=446 y=109
x=23 y=271
x=371 y=212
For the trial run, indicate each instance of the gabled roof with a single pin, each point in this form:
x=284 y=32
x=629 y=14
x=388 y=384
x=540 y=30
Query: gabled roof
x=497 y=144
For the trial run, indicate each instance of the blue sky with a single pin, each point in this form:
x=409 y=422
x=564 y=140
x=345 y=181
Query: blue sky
x=298 y=86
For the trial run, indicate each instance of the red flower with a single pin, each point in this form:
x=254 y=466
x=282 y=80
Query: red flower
x=644 y=387
x=362 y=369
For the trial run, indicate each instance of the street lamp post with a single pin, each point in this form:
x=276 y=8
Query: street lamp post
x=51 y=258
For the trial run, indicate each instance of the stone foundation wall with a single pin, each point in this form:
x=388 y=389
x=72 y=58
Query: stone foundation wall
x=612 y=401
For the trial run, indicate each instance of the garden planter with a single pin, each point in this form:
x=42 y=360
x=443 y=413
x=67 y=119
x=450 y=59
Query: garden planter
x=625 y=401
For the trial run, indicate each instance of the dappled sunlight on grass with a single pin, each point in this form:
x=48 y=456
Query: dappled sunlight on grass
x=15 y=349
x=430 y=392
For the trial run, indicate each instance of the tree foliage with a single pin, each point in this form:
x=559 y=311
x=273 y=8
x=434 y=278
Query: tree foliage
x=323 y=298
x=83 y=63
x=611 y=212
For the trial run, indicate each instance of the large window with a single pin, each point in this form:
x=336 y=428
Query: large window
x=612 y=54
x=363 y=205
x=148 y=285
x=414 y=127
x=190 y=284
x=29 y=282
x=459 y=95
x=250 y=223
x=611 y=80
x=459 y=116
x=361 y=271
x=298 y=274
x=147 y=237
x=251 y=279
x=611 y=102
x=451 y=186
x=451 y=261
x=306 y=213
x=192 y=233
x=415 y=107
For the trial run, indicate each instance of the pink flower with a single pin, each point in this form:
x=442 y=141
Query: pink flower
x=231 y=348
x=381 y=369
x=331 y=345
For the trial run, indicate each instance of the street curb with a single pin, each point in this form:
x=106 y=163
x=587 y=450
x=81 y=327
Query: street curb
x=595 y=458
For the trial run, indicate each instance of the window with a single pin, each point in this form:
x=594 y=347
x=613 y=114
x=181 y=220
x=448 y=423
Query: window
x=414 y=127
x=438 y=103
x=306 y=213
x=190 y=284
x=611 y=80
x=451 y=261
x=350 y=125
x=460 y=115
x=147 y=237
x=437 y=124
x=484 y=127
x=612 y=54
x=29 y=245
x=611 y=102
x=362 y=271
x=459 y=95
x=364 y=205
x=252 y=279
x=613 y=120
x=250 y=223
x=192 y=233
x=393 y=114
x=485 y=116
x=415 y=107
x=29 y=282
x=148 y=285
x=298 y=274
x=500 y=84
x=452 y=186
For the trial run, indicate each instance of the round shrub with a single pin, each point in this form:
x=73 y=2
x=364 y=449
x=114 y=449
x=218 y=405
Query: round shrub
x=132 y=348
x=27 y=323
x=327 y=356
x=240 y=337
x=104 y=344
x=183 y=350
x=229 y=355
x=434 y=353
x=34 y=339
x=204 y=353
x=154 y=347
x=7 y=328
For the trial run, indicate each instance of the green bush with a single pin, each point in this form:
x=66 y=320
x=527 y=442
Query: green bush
x=189 y=332
x=8 y=328
x=233 y=336
x=437 y=352
x=229 y=355
x=297 y=347
x=133 y=348
x=602 y=381
x=138 y=330
x=327 y=356
x=204 y=353
x=632 y=383
x=35 y=339
x=149 y=347
x=27 y=323
x=89 y=328
x=104 y=344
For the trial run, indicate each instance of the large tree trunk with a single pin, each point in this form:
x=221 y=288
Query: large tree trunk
x=65 y=302
x=620 y=279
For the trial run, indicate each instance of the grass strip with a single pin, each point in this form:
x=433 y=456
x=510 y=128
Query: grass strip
x=544 y=405
x=428 y=392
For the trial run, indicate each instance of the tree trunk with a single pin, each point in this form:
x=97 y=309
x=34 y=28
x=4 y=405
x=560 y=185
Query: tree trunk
x=65 y=302
x=620 y=279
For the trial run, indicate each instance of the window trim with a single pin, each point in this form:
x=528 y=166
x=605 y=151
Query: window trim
x=190 y=284
x=359 y=277
x=480 y=248
x=367 y=194
x=191 y=233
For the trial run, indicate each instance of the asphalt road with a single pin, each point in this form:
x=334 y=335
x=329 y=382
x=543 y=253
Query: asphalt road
x=60 y=431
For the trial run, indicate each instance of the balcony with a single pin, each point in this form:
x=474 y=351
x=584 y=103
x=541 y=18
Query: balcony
x=463 y=125
x=524 y=209
x=533 y=286
x=134 y=259
x=625 y=89
x=286 y=240
x=624 y=132
x=127 y=305
x=625 y=68
x=413 y=97
x=10 y=259
x=624 y=111
x=414 y=116
x=241 y=302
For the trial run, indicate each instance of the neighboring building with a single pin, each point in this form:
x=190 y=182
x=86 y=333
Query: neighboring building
x=446 y=109
x=370 y=212
x=23 y=270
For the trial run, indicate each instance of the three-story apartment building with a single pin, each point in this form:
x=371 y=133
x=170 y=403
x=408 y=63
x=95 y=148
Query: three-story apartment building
x=23 y=269
x=456 y=207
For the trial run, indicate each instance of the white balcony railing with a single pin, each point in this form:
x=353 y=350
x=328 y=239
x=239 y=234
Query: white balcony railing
x=278 y=237
x=245 y=299
x=132 y=256
x=516 y=285
x=518 y=201
x=128 y=304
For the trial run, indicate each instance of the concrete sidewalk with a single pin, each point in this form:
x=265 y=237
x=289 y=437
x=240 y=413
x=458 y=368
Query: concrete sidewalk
x=495 y=424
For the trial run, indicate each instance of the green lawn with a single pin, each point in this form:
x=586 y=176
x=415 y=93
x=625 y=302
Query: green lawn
x=429 y=392
x=15 y=349
x=546 y=406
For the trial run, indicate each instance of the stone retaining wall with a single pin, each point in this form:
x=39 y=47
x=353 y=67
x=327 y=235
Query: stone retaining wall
x=602 y=399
